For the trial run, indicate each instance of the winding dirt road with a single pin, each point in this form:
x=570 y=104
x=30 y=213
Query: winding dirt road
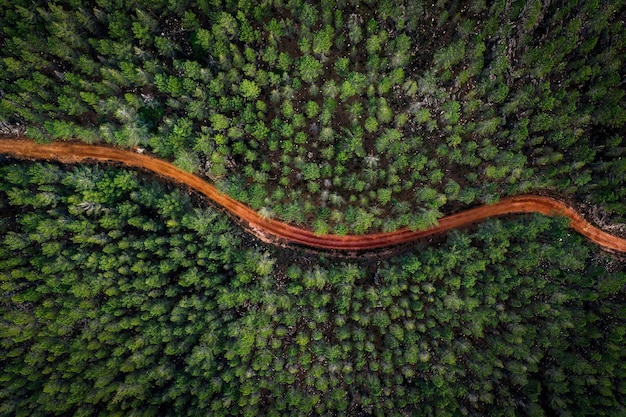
x=272 y=230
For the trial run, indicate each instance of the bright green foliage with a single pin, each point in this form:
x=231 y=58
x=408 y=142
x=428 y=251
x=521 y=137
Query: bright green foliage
x=219 y=121
x=323 y=40
x=312 y=109
x=501 y=97
x=371 y=124
x=187 y=161
x=250 y=89
x=310 y=68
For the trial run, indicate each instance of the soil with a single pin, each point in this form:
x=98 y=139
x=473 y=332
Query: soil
x=276 y=232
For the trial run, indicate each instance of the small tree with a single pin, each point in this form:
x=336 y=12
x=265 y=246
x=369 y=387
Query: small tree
x=312 y=109
x=323 y=40
x=249 y=89
x=310 y=68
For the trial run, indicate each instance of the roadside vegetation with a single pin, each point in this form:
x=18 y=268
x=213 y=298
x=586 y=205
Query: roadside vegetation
x=345 y=117
x=125 y=296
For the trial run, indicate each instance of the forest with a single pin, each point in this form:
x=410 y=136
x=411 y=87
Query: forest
x=345 y=117
x=125 y=294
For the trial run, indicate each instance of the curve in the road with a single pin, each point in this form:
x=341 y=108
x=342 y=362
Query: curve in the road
x=272 y=230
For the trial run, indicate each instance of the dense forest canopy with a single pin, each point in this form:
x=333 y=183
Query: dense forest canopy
x=345 y=116
x=125 y=296
x=122 y=294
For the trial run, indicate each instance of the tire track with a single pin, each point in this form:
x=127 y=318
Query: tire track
x=274 y=231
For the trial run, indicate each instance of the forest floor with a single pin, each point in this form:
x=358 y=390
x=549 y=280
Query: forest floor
x=276 y=232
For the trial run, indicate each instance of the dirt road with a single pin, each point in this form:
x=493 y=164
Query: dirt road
x=273 y=231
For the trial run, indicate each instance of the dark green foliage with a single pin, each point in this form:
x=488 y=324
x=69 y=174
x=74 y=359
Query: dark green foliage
x=123 y=296
x=296 y=82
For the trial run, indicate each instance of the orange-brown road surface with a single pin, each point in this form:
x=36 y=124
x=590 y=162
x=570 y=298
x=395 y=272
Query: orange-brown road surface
x=271 y=230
